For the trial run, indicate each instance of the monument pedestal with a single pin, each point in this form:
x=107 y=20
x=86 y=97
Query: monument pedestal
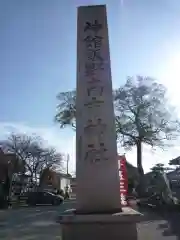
x=118 y=226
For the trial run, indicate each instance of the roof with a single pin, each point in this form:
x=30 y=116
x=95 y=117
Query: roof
x=175 y=173
x=175 y=161
x=48 y=170
x=65 y=175
x=132 y=170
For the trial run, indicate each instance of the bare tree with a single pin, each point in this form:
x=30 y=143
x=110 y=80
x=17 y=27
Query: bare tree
x=32 y=154
x=142 y=114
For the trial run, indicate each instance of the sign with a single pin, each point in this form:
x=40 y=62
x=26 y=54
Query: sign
x=123 y=177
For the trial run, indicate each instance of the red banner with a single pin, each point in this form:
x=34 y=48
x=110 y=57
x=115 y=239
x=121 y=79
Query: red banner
x=123 y=177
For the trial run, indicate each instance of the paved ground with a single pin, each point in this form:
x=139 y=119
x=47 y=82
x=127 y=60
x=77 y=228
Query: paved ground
x=40 y=223
x=157 y=227
x=30 y=224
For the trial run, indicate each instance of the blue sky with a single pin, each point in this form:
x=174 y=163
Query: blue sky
x=38 y=59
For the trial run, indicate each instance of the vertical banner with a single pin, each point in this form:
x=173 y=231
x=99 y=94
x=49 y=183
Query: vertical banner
x=123 y=177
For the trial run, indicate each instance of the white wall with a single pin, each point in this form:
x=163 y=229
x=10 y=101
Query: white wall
x=64 y=182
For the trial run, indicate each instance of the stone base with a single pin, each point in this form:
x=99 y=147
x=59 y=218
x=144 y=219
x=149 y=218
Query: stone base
x=119 y=226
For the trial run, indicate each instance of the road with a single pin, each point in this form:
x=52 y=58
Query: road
x=40 y=223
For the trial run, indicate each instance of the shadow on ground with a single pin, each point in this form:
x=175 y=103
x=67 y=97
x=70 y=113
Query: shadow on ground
x=34 y=231
x=30 y=224
x=40 y=224
x=166 y=224
x=172 y=227
x=158 y=225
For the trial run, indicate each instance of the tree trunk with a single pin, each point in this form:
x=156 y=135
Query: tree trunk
x=139 y=158
x=141 y=186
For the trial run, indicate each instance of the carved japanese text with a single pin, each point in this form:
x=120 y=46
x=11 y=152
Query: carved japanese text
x=93 y=26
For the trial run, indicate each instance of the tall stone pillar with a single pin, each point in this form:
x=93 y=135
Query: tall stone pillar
x=96 y=151
x=98 y=213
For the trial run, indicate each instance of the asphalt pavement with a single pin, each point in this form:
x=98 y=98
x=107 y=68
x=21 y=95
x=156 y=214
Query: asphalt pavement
x=40 y=223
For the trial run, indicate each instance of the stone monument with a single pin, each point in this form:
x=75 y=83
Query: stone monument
x=98 y=194
x=96 y=153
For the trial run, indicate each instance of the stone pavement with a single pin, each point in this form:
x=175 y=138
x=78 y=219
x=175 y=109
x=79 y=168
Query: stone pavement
x=40 y=222
x=30 y=224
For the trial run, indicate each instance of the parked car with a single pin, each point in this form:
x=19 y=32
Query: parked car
x=34 y=198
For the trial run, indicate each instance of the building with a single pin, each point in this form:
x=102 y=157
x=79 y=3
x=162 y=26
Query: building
x=132 y=172
x=175 y=161
x=52 y=181
x=174 y=176
x=9 y=164
x=73 y=185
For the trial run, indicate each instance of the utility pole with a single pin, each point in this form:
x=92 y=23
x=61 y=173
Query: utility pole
x=67 y=164
x=67 y=176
